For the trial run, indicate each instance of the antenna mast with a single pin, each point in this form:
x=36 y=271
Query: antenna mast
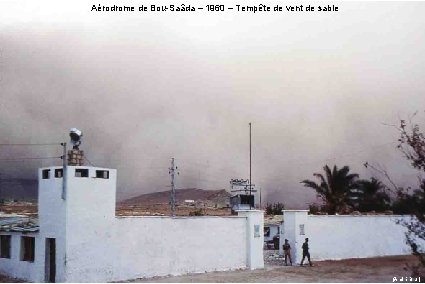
x=173 y=189
x=250 y=182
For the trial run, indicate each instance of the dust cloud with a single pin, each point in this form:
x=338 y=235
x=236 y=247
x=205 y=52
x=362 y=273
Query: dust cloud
x=316 y=87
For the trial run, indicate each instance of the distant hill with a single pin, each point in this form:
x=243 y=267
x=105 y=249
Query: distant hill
x=212 y=197
x=18 y=189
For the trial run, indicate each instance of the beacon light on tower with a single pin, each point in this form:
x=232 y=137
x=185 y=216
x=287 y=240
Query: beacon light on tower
x=75 y=156
x=75 y=135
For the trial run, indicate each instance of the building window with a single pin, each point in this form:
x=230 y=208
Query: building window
x=267 y=231
x=45 y=174
x=58 y=173
x=4 y=246
x=102 y=174
x=27 y=248
x=247 y=199
x=82 y=173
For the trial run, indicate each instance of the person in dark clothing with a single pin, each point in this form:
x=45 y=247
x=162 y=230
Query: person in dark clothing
x=287 y=252
x=306 y=253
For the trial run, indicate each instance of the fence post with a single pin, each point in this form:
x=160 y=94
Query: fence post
x=255 y=237
x=295 y=230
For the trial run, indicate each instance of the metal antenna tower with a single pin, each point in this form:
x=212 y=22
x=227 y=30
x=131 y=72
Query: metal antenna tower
x=171 y=171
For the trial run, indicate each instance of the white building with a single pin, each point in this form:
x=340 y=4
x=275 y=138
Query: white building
x=242 y=198
x=79 y=239
x=272 y=227
x=189 y=202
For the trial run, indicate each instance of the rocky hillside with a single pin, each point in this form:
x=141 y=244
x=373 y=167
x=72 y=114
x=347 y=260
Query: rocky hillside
x=214 y=198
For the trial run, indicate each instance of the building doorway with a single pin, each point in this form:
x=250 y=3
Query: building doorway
x=50 y=260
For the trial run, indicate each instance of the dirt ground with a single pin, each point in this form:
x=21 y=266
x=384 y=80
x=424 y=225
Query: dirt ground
x=30 y=209
x=380 y=269
x=4 y=279
x=164 y=210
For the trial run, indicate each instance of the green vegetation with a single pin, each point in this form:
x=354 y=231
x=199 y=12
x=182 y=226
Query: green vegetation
x=412 y=145
x=372 y=196
x=275 y=208
x=334 y=188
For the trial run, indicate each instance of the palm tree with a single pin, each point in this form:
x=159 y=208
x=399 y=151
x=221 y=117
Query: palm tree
x=373 y=196
x=334 y=188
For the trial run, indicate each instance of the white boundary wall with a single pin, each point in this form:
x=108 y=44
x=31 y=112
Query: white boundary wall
x=137 y=247
x=158 y=246
x=92 y=245
x=344 y=236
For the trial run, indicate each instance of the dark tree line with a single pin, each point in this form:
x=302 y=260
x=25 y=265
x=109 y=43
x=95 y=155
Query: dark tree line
x=275 y=208
x=342 y=192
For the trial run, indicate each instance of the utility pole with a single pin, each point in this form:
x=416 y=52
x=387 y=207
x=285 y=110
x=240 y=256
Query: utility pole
x=173 y=189
x=260 y=197
x=250 y=182
x=64 y=164
x=1 y=189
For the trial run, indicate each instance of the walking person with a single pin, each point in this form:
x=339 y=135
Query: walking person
x=306 y=253
x=287 y=252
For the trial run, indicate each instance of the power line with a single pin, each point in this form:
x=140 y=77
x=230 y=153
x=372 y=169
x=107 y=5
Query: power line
x=30 y=144
x=90 y=163
x=30 y=158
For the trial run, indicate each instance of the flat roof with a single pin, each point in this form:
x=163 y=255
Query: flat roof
x=74 y=167
x=18 y=223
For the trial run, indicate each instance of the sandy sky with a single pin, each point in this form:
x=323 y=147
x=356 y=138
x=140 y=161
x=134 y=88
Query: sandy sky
x=145 y=87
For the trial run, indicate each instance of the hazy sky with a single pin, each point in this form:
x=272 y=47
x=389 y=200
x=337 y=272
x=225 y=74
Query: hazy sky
x=145 y=87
